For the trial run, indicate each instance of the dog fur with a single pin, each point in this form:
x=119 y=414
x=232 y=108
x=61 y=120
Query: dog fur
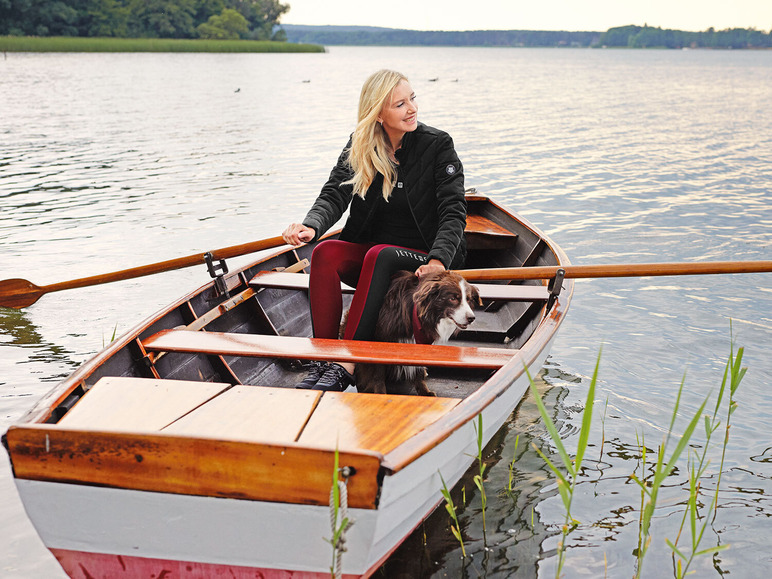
x=444 y=303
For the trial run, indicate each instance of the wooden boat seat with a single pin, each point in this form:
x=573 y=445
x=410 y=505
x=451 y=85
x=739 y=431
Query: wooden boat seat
x=348 y=421
x=288 y=347
x=488 y=291
x=482 y=233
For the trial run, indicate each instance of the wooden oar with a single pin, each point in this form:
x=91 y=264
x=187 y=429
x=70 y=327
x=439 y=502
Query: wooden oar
x=20 y=293
x=618 y=270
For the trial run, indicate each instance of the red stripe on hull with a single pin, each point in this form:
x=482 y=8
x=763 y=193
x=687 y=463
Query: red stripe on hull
x=83 y=565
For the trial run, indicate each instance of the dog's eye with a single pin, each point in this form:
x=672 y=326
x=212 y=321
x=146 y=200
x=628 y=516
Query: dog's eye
x=454 y=299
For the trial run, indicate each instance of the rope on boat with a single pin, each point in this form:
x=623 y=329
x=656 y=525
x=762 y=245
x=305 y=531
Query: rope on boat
x=340 y=514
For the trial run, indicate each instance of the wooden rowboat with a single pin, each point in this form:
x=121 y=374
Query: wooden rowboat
x=183 y=449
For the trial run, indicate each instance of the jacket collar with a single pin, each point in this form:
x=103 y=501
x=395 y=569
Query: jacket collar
x=407 y=141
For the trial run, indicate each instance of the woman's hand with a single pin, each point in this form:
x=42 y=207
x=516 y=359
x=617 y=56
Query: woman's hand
x=434 y=266
x=298 y=233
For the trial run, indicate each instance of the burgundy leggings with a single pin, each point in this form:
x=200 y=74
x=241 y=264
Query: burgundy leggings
x=367 y=267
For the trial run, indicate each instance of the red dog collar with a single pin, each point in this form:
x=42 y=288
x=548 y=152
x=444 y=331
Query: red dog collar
x=418 y=331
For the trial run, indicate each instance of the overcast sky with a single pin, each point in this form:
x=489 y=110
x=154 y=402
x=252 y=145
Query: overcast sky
x=533 y=14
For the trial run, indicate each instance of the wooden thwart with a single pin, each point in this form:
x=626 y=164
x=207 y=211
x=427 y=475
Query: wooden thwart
x=259 y=345
x=482 y=233
x=299 y=281
x=482 y=225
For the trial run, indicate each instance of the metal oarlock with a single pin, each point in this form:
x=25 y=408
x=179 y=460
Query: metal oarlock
x=217 y=271
x=555 y=285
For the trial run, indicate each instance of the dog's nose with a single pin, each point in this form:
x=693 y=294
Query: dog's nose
x=469 y=318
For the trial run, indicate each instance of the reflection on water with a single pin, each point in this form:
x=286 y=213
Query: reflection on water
x=108 y=161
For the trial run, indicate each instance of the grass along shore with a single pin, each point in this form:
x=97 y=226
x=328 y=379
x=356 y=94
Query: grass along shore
x=77 y=44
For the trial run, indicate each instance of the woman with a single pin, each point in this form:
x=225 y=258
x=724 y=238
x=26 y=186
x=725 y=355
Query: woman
x=404 y=184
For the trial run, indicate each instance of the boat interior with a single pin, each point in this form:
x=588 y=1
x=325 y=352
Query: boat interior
x=204 y=355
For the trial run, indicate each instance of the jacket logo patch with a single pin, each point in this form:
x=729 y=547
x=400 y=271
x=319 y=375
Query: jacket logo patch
x=450 y=169
x=399 y=185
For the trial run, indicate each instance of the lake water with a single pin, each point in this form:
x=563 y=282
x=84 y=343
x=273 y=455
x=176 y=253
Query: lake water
x=108 y=161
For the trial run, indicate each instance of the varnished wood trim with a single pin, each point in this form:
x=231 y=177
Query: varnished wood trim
x=260 y=345
x=190 y=466
x=220 y=310
x=525 y=293
x=478 y=224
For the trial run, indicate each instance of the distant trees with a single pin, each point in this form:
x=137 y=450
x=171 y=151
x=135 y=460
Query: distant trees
x=622 y=36
x=255 y=19
x=228 y=25
x=373 y=36
x=651 y=37
x=259 y=20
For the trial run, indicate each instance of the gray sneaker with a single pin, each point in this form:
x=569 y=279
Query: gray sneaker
x=315 y=371
x=335 y=379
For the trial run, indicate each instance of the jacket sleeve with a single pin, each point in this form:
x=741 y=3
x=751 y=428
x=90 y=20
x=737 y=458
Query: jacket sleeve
x=451 y=202
x=334 y=198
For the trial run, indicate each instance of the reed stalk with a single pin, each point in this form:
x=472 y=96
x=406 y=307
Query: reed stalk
x=511 y=467
x=698 y=464
x=339 y=521
x=650 y=486
x=567 y=484
x=455 y=527
x=478 y=478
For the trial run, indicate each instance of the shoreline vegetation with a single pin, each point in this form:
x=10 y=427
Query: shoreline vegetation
x=102 y=44
x=309 y=39
x=619 y=37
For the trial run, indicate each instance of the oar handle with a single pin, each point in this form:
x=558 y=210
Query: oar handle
x=618 y=270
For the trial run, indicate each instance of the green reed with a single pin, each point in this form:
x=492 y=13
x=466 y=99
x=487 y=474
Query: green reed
x=698 y=464
x=651 y=485
x=510 y=491
x=455 y=527
x=340 y=523
x=479 y=478
x=650 y=480
x=573 y=468
x=112 y=338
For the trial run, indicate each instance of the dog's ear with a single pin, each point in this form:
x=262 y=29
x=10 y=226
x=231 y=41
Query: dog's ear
x=476 y=295
x=426 y=293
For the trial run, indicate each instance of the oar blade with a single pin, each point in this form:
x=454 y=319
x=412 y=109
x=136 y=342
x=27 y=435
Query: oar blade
x=18 y=293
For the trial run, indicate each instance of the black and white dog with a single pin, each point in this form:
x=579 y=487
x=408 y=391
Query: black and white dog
x=428 y=310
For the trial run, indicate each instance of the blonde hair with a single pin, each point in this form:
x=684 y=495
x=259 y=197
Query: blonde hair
x=370 y=151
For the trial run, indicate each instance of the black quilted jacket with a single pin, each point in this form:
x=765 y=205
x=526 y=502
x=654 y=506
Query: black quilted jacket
x=433 y=178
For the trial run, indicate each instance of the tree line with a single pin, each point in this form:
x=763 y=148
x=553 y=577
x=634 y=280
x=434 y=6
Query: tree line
x=623 y=36
x=651 y=37
x=374 y=36
x=218 y=19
